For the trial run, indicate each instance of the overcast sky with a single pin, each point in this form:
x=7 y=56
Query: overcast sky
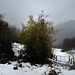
x=17 y=11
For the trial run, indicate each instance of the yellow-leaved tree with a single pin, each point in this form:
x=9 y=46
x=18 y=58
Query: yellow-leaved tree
x=37 y=37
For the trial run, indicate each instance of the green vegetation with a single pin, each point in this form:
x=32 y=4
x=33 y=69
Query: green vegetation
x=37 y=37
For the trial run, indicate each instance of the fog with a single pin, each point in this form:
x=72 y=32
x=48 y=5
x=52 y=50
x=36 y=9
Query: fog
x=17 y=11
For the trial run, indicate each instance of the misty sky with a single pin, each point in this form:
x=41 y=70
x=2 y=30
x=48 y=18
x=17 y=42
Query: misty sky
x=17 y=11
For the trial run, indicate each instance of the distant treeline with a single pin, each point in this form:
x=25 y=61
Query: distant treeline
x=67 y=44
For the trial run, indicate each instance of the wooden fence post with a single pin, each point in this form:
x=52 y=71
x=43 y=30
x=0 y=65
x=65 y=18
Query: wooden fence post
x=56 y=58
x=69 y=58
x=73 y=59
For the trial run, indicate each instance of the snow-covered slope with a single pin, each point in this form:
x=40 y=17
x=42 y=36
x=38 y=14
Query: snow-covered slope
x=59 y=53
x=66 y=30
x=62 y=56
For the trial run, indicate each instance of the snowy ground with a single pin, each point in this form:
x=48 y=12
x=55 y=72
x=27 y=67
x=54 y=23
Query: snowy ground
x=28 y=69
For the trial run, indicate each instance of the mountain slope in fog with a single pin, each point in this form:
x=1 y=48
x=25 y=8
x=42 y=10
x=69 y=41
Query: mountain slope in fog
x=66 y=30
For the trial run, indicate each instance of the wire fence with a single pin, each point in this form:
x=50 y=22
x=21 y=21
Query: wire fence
x=60 y=58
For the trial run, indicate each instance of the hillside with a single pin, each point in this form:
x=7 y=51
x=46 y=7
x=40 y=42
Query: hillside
x=66 y=30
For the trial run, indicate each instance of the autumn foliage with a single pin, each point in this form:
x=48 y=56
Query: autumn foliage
x=37 y=37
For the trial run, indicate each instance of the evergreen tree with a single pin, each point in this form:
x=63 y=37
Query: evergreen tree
x=5 y=40
x=68 y=44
